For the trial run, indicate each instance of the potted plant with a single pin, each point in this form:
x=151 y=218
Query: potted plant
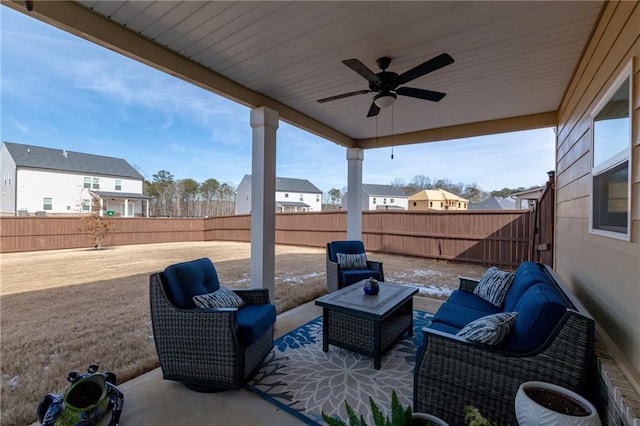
x=400 y=416
x=542 y=403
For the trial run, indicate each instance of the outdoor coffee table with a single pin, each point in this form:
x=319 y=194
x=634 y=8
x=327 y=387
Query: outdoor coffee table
x=366 y=324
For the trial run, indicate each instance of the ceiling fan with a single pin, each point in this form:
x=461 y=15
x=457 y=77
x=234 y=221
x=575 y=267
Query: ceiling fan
x=386 y=83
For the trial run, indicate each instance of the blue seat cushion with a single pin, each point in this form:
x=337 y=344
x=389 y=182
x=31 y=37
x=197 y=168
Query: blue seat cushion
x=351 y=276
x=539 y=312
x=468 y=299
x=437 y=325
x=187 y=279
x=458 y=316
x=347 y=247
x=526 y=276
x=254 y=321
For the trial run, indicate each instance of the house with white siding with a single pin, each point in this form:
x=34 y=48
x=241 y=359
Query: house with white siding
x=46 y=181
x=381 y=197
x=292 y=195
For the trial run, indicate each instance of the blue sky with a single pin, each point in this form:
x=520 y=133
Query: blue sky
x=60 y=91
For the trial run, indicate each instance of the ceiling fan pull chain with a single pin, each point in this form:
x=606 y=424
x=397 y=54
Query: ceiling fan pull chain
x=392 y=131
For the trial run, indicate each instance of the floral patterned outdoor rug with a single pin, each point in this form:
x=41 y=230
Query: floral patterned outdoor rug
x=305 y=381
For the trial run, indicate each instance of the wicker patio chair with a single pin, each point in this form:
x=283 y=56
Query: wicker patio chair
x=338 y=277
x=210 y=349
x=452 y=372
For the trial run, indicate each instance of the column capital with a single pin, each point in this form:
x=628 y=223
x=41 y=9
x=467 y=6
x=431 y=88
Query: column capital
x=264 y=117
x=355 y=154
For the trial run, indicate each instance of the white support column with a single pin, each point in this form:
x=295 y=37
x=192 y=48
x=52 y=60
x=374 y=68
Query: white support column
x=355 y=156
x=264 y=122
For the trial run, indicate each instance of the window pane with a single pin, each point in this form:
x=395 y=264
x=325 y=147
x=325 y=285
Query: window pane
x=118 y=185
x=87 y=182
x=611 y=127
x=96 y=183
x=47 y=203
x=611 y=199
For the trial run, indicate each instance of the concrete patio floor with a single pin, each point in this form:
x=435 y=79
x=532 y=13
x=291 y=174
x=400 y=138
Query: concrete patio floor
x=150 y=400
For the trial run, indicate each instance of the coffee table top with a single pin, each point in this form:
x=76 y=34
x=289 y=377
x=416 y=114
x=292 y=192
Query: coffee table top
x=352 y=299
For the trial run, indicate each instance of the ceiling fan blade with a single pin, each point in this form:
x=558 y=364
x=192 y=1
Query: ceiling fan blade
x=374 y=110
x=344 y=95
x=428 y=95
x=432 y=64
x=362 y=69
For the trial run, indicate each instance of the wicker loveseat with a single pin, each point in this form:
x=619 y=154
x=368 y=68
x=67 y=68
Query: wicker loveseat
x=551 y=340
x=211 y=348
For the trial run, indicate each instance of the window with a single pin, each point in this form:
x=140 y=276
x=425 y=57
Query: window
x=118 y=185
x=86 y=205
x=301 y=197
x=286 y=195
x=384 y=201
x=87 y=182
x=47 y=203
x=611 y=158
x=317 y=198
x=391 y=200
x=374 y=200
x=430 y=203
x=95 y=184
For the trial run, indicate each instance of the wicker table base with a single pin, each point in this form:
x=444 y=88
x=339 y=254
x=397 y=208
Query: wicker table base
x=366 y=324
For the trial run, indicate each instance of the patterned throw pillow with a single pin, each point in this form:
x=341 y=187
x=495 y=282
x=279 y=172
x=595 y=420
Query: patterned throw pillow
x=352 y=261
x=490 y=330
x=221 y=298
x=494 y=285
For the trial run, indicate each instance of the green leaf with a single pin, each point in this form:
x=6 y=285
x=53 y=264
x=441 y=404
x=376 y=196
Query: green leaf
x=378 y=416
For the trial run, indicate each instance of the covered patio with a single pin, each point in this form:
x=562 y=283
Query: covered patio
x=516 y=66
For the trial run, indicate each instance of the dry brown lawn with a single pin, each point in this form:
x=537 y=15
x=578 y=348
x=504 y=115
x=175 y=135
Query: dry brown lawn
x=65 y=309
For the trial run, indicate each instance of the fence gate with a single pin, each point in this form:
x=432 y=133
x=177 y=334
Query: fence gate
x=542 y=223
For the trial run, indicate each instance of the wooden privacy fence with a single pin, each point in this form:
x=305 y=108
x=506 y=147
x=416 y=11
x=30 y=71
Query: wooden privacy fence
x=502 y=238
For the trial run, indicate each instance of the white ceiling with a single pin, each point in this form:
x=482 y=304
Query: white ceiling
x=512 y=59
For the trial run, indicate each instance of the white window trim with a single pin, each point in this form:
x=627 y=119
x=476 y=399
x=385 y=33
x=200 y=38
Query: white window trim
x=616 y=159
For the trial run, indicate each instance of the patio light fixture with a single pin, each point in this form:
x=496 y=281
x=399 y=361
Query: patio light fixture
x=384 y=100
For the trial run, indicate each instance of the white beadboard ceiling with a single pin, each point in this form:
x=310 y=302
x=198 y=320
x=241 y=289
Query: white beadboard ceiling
x=512 y=59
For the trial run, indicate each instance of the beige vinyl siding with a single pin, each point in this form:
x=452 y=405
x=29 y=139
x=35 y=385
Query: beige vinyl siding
x=603 y=272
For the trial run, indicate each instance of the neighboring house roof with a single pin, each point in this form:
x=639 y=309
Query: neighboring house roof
x=382 y=190
x=494 y=203
x=292 y=185
x=436 y=195
x=120 y=195
x=531 y=193
x=69 y=161
x=292 y=204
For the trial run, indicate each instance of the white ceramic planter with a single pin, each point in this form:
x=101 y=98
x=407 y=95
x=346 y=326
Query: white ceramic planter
x=530 y=413
x=419 y=419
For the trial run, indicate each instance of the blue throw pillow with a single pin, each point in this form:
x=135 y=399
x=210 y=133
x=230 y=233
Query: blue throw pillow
x=494 y=285
x=490 y=330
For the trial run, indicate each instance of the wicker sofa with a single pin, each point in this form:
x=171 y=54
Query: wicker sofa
x=212 y=348
x=551 y=340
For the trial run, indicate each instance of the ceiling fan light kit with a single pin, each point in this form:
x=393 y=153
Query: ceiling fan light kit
x=383 y=100
x=386 y=83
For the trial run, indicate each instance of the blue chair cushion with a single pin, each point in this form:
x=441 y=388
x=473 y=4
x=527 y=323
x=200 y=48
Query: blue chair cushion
x=526 y=276
x=446 y=328
x=347 y=247
x=350 y=276
x=254 y=321
x=468 y=299
x=187 y=279
x=457 y=316
x=539 y=311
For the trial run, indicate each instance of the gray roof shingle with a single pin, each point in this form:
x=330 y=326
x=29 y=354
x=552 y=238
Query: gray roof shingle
x=69 y=161
x=384 y=190
x=293 y=185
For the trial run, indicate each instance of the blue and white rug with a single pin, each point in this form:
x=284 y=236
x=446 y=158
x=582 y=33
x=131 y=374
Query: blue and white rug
x=305 y=381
